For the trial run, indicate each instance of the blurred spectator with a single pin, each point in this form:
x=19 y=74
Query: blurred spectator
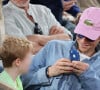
x=16 y=55
x=83 y=4
x=34 y=22
x=58 y=6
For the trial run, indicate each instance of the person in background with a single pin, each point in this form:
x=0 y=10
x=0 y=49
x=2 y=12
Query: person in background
x=83 y=4
x=16 y=55
x=69 y=65
x=34 y=22
x=58 y=6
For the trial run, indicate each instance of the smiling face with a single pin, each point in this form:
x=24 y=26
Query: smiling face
x=85 y=46
x=21 y=3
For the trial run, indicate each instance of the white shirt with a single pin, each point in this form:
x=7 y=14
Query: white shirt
x=17 y=23
x=83 y=56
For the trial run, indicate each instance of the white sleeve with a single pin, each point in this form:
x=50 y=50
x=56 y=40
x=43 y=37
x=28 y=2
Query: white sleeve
x=52 y=20
x=11 y=27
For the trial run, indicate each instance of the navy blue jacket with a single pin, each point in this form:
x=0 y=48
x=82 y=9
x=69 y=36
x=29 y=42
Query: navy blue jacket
x=57 y=8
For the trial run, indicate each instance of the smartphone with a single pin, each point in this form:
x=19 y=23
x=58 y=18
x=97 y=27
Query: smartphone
x=74 y=54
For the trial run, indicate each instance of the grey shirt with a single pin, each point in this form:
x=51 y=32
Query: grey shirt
x=17 y=23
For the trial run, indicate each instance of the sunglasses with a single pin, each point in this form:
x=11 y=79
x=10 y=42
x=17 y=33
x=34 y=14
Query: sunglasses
x=37 y=29
x=81 y=37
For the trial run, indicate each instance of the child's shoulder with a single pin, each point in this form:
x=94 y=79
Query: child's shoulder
x=4 y=86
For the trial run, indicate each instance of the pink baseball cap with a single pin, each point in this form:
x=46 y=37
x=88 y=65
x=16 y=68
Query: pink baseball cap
x=89 y=24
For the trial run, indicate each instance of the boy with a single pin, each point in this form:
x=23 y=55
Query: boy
x=16 y=57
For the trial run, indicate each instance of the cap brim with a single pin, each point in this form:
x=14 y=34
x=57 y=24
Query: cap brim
x=87 y=31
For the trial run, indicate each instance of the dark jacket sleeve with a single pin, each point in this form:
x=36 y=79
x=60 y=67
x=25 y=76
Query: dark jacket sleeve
x=74 y=10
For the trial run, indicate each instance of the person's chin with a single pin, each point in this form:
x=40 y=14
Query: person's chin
x=83 y=49
x=24 y=72
x=23 y=5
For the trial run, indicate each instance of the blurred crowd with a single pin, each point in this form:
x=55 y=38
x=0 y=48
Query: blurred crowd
x=50 y=45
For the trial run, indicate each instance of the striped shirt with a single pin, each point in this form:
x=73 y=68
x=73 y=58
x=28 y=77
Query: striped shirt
x=17 y=23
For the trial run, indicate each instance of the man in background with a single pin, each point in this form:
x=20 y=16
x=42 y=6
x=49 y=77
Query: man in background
x=58 y=6
x=34 y=22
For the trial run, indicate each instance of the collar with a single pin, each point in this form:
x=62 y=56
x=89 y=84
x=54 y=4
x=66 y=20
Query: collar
x=22 y=11
x=10 y=4
x=7 y=79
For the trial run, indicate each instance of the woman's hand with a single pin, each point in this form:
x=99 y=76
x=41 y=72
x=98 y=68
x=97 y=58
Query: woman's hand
x=79 y=67
x=60 y=67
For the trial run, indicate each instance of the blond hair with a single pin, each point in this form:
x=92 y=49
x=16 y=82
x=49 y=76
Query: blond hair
x=13 y=48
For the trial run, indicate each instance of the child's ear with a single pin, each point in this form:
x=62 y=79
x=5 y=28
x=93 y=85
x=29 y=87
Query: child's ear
x=17 y=62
